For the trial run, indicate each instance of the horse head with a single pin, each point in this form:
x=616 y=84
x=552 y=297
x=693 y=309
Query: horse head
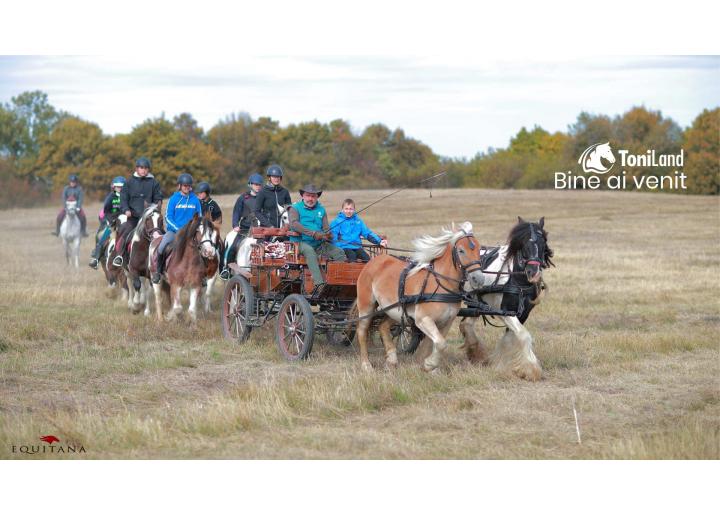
x=207 y=238
x=71 y=207
x=152 y=222
x=527 y=243
x=283 y=215
x=466 y=257
x=591 y=158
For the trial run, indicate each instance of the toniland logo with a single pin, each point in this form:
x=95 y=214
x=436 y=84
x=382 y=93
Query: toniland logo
x=592 y=158
x=599 y=159
x=49 y=447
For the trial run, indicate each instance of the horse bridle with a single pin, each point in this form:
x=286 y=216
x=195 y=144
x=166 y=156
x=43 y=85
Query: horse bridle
x=149 y=234
x=534 y=258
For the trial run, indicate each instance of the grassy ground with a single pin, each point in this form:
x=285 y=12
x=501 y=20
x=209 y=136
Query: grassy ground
x=628 y=334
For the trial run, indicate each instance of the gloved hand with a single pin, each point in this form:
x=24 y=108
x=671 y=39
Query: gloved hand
x=318 y=236
x=327 y=236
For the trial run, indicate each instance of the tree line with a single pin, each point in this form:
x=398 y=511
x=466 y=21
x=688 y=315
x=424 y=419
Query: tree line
x=40 y=146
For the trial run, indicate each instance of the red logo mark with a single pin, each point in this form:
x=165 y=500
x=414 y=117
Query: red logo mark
x=50 y=439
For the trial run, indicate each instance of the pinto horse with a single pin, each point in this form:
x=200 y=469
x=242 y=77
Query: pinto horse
x=187 y=266
x=115 y=276
x=149 y=228
x=514 y=272
x=442 y=268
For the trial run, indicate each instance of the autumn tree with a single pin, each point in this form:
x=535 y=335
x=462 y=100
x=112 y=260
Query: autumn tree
x=702 y=147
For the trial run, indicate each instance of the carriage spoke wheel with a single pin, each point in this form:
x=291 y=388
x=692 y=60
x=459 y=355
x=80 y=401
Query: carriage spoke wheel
x=295 y=328
x=238 y=306
x=406 y=340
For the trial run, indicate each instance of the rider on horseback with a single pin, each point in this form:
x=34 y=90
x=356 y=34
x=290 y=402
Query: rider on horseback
x=243 y=218
x=140 y=191
x=203 y=191
x=182 y=206
x=110 y=212
x=72 y=191
x=308 y=217
x=271 y=197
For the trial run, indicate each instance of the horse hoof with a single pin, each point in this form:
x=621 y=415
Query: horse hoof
x=366 y=366
x=530 y=372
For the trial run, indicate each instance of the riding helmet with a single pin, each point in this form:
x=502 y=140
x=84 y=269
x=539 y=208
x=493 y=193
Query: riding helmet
x=203 y=187
x=118 y=182
x=274 y=171
x=73 y=178
x=143 y=162
x=256 y=178
x=185 y=179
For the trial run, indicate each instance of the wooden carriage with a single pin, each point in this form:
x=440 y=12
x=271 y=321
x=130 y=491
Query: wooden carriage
x=278 y=285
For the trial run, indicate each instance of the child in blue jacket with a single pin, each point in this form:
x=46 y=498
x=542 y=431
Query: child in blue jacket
x=182 y=206
x=348 y=230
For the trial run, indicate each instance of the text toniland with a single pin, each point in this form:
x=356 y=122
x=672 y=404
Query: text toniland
x=649 y=159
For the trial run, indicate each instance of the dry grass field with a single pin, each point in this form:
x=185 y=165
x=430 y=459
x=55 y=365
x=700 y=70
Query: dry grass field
x=628 y=332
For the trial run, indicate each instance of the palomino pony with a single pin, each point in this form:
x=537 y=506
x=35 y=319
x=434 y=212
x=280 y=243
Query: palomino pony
x=70 y=233
x=187 y=266
x=514 y=272
x=442 y=268
x=149 y=228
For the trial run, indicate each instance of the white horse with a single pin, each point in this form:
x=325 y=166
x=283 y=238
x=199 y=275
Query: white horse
x=242 y=258
x=591 y=158
x=70 y=233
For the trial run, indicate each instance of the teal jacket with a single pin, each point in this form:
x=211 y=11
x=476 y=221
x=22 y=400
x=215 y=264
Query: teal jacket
x=312 y=220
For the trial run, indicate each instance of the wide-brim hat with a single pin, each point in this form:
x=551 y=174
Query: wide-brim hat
x=310 y=188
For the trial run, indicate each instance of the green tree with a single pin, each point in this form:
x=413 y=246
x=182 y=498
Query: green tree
x=702 y=147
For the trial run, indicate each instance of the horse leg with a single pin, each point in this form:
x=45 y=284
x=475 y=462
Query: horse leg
x=148 y=291
x=176 y=305
x=192 y=308
x=391 y=360
x=430 y=329
x=208 y=292
x=157 y=289
x=514 y=352
x=474 y=349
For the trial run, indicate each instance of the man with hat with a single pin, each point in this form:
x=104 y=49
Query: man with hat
x=309 y=219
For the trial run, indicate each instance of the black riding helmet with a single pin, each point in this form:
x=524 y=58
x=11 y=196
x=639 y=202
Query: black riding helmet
x=143 y=162
x=185 y=179
x=73 y=178
x=203 y=187
x=274 y=171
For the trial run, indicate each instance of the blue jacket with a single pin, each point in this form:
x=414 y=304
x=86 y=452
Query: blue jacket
x=347 y=232
x=181 y=209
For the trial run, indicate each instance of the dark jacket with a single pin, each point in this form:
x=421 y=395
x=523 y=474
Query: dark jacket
x=76 y=192
x=138 y=193
x=243 y=212
x=212 y=207
x=266 y=204
x=111 y=207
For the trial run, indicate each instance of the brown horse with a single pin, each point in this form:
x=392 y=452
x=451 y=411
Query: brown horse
x=441 y=269
x=194 y=248
x=150 y=227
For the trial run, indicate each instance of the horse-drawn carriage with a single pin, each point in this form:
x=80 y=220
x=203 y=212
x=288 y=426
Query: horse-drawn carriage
x=278 y=285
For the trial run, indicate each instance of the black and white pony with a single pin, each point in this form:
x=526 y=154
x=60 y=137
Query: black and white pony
x=70 y=234
x=514 y=271
x=242 y=257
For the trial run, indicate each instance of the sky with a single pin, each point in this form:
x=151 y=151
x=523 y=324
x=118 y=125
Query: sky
x=458 y=107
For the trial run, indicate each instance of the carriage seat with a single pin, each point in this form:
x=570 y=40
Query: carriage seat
x=268 y=232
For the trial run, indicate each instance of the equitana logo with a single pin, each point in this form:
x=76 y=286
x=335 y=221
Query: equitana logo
x=49 y=447
x=592 y=158
x=599 y=159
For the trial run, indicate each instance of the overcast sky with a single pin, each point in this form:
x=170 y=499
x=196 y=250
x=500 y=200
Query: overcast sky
x=457 y=108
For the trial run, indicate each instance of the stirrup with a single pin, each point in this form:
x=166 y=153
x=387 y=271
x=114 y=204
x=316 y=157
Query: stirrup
x=93 y=263
x=225 y=274
x=118 y=261
x=156 y=277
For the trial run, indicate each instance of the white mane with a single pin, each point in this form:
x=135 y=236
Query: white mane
x=137 y=232
x=429 y=248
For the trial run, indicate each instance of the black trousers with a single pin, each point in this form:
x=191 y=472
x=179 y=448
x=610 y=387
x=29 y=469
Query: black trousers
x=123 y=231
x=355 y=254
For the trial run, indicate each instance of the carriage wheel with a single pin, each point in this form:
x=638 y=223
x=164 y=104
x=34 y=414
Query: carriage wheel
x=407 y=340
x=238 y=307
x=295 y=328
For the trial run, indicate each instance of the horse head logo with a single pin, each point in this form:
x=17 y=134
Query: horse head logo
x=50 y=439
x=591 y=159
